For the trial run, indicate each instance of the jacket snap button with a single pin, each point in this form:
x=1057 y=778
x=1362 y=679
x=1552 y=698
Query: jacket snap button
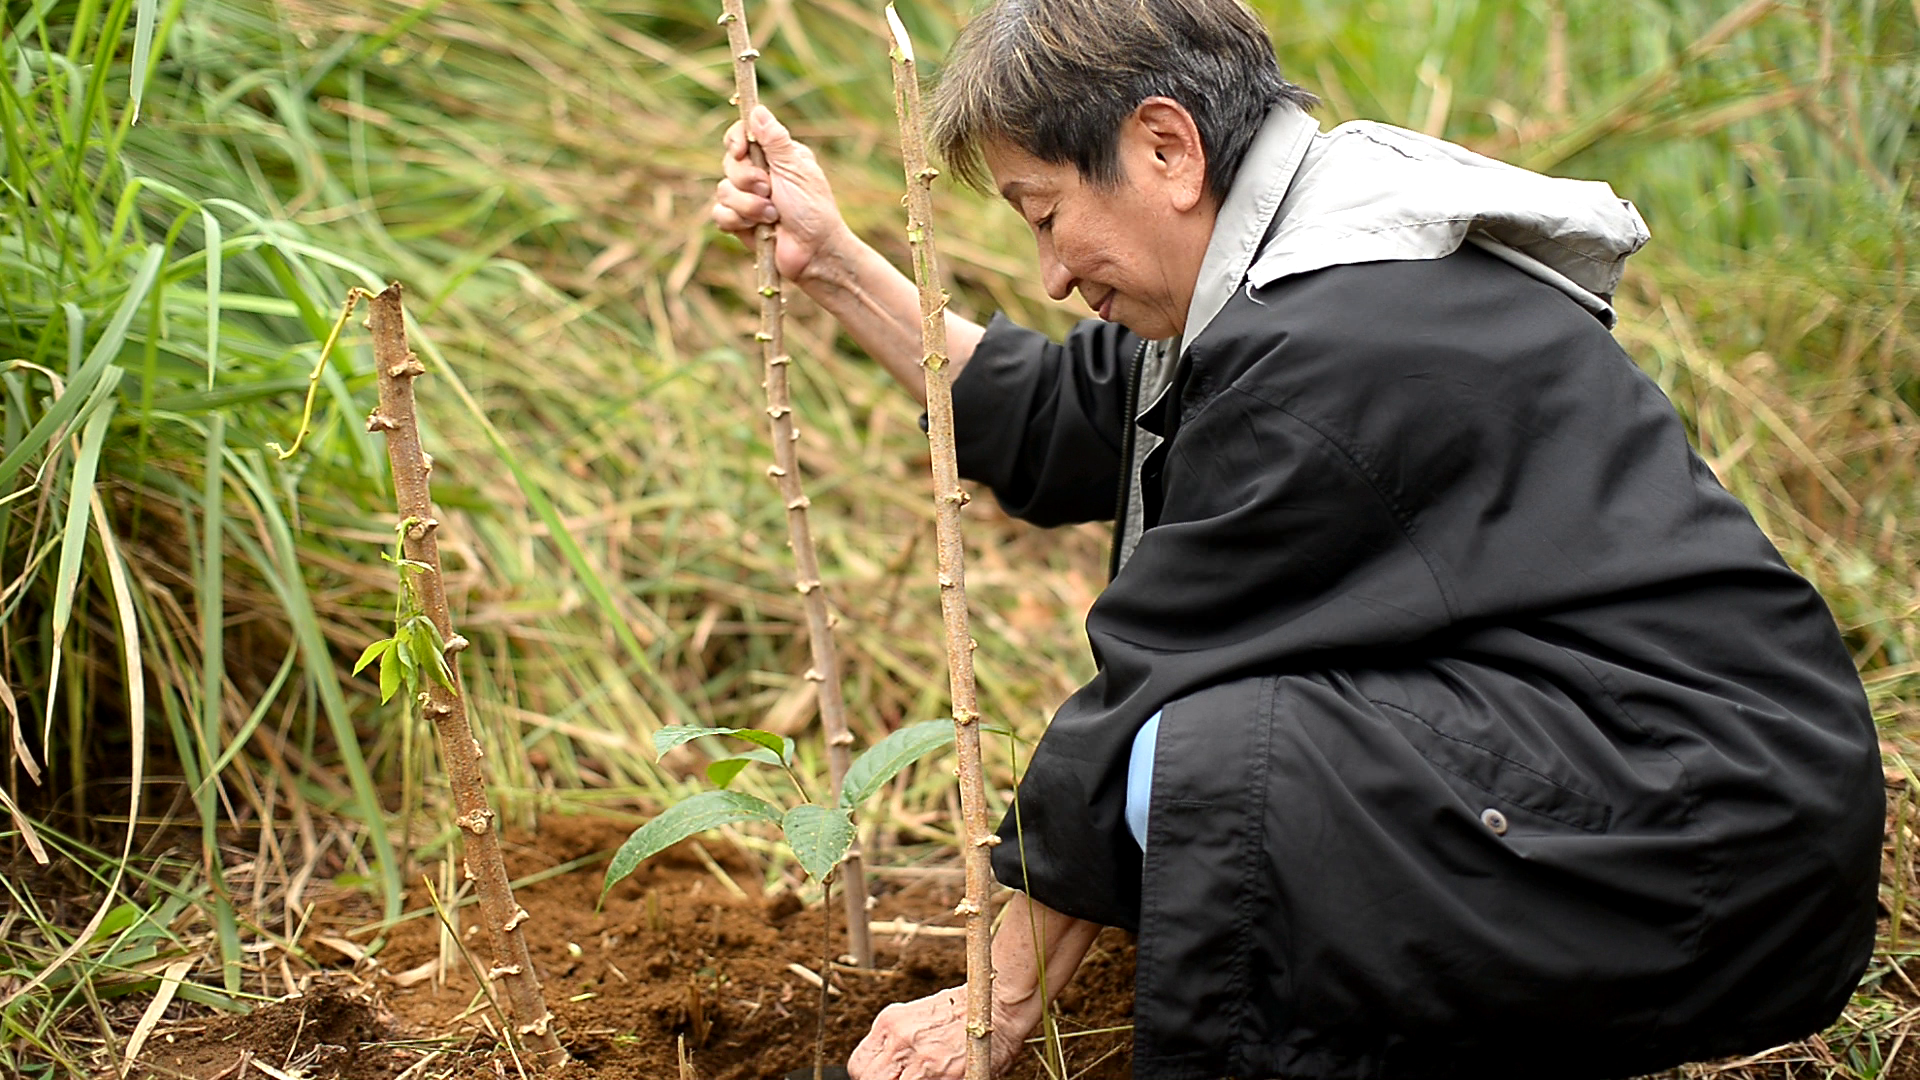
x=1494 y=820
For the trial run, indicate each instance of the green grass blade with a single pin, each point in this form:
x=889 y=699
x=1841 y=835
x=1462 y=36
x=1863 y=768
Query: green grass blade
x=281 y=568
x=267 y=698
x=145 y=12
x=73 y=544
x=210 y=597
x=75 y=404
x=211 y=225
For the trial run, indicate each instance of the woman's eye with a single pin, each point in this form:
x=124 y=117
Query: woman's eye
x=1044 y=224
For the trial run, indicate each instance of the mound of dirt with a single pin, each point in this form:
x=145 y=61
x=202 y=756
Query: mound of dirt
x=675 y=955
x=322 y=1034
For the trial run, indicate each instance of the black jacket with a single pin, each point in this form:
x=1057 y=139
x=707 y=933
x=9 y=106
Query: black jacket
x=1496 y=732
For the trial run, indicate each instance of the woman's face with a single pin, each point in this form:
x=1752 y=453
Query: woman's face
x=1132 y=251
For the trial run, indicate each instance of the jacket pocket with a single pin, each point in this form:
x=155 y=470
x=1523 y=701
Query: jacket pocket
x=1495 y=737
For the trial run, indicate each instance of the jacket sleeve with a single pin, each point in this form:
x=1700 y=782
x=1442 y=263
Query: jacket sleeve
x=1040 y=422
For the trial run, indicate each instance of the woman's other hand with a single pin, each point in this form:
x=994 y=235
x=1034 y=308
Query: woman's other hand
x=791 y=193
x=927 y=1040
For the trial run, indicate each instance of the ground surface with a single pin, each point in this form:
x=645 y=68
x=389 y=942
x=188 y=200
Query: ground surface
x=673 y=955
x=676 y=955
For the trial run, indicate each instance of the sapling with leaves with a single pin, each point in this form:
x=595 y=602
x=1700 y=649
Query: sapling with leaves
x=413 y=655
x=785 y=473
x=419 y=658
x=819 y=834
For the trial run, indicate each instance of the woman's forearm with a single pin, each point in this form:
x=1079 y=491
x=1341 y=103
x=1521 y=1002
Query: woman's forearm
x=1029 y=931
x=880 y=308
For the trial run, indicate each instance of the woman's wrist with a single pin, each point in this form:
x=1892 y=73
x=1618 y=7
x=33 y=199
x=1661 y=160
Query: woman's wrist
x=1015 y=1019
x=833 y=264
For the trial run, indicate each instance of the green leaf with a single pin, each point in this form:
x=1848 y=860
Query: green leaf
x=73 y=541
x=391 y=673
x=373 y=652
x=819 y=837
x=883 y=760
x=404 y=648
x=679 y=735
x=211 y=225
x=425 y=649
x=667 y=738
x=696 y=814
x=724 y=770
x=85 y=392
x=779 y=744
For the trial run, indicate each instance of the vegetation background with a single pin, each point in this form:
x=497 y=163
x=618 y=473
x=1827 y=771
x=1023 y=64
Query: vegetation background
x=179 y=605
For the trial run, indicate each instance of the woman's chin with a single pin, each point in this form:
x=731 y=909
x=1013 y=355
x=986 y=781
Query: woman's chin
x=1151 y=327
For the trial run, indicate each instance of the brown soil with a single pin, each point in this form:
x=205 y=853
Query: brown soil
x=673 y=956
x=325 y=1033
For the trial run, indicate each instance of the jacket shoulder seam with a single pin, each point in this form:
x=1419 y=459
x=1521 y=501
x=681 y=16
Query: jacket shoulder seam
x=1403 y=519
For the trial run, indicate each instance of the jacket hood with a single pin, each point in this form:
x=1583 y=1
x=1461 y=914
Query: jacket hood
x=1371 y=192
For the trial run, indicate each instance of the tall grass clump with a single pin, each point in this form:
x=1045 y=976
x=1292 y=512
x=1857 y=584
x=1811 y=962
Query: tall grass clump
x=179 y=593
x=145 y=331
x=179 y=604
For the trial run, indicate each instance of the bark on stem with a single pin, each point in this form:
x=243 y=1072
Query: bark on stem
x=785 y=472
x=948 y=498
x=447 y=707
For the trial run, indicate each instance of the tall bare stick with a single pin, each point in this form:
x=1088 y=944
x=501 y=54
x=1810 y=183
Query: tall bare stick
x=785 y=471
x=948 y=498
x=446 y=706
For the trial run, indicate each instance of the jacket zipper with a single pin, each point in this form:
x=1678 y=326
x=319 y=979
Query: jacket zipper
x=1127 y=437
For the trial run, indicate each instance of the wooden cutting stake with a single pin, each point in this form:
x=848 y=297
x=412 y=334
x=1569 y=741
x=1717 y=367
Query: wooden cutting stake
x=785 y=472
x=446 y=706
x=948 y=498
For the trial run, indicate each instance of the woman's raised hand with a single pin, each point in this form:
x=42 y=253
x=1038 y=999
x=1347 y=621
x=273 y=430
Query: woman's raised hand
x=792 y=194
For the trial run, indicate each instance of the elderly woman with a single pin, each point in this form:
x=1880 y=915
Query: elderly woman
x=1451 y=719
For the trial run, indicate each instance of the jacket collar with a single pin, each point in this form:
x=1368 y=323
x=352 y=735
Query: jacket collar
x=1367 y=192
x=1248 y=211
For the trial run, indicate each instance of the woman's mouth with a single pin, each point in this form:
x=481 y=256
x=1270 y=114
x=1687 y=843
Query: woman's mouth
x=1105 y=307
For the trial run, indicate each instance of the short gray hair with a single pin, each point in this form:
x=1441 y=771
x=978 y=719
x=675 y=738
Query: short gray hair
x=1055 y=79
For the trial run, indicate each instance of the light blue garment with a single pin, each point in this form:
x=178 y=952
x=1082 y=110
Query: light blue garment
x=1140 y=779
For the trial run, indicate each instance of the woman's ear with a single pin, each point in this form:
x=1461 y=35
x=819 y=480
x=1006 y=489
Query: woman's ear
x=1168 y=141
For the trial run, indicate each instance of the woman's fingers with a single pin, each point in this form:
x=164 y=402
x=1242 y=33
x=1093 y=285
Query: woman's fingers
x=914 y=1040
x=739 y=211
x=745 y=175
x=878 y=1057
x=791 y=190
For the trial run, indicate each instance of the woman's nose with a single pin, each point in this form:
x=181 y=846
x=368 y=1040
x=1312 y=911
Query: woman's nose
x=1054 y=273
